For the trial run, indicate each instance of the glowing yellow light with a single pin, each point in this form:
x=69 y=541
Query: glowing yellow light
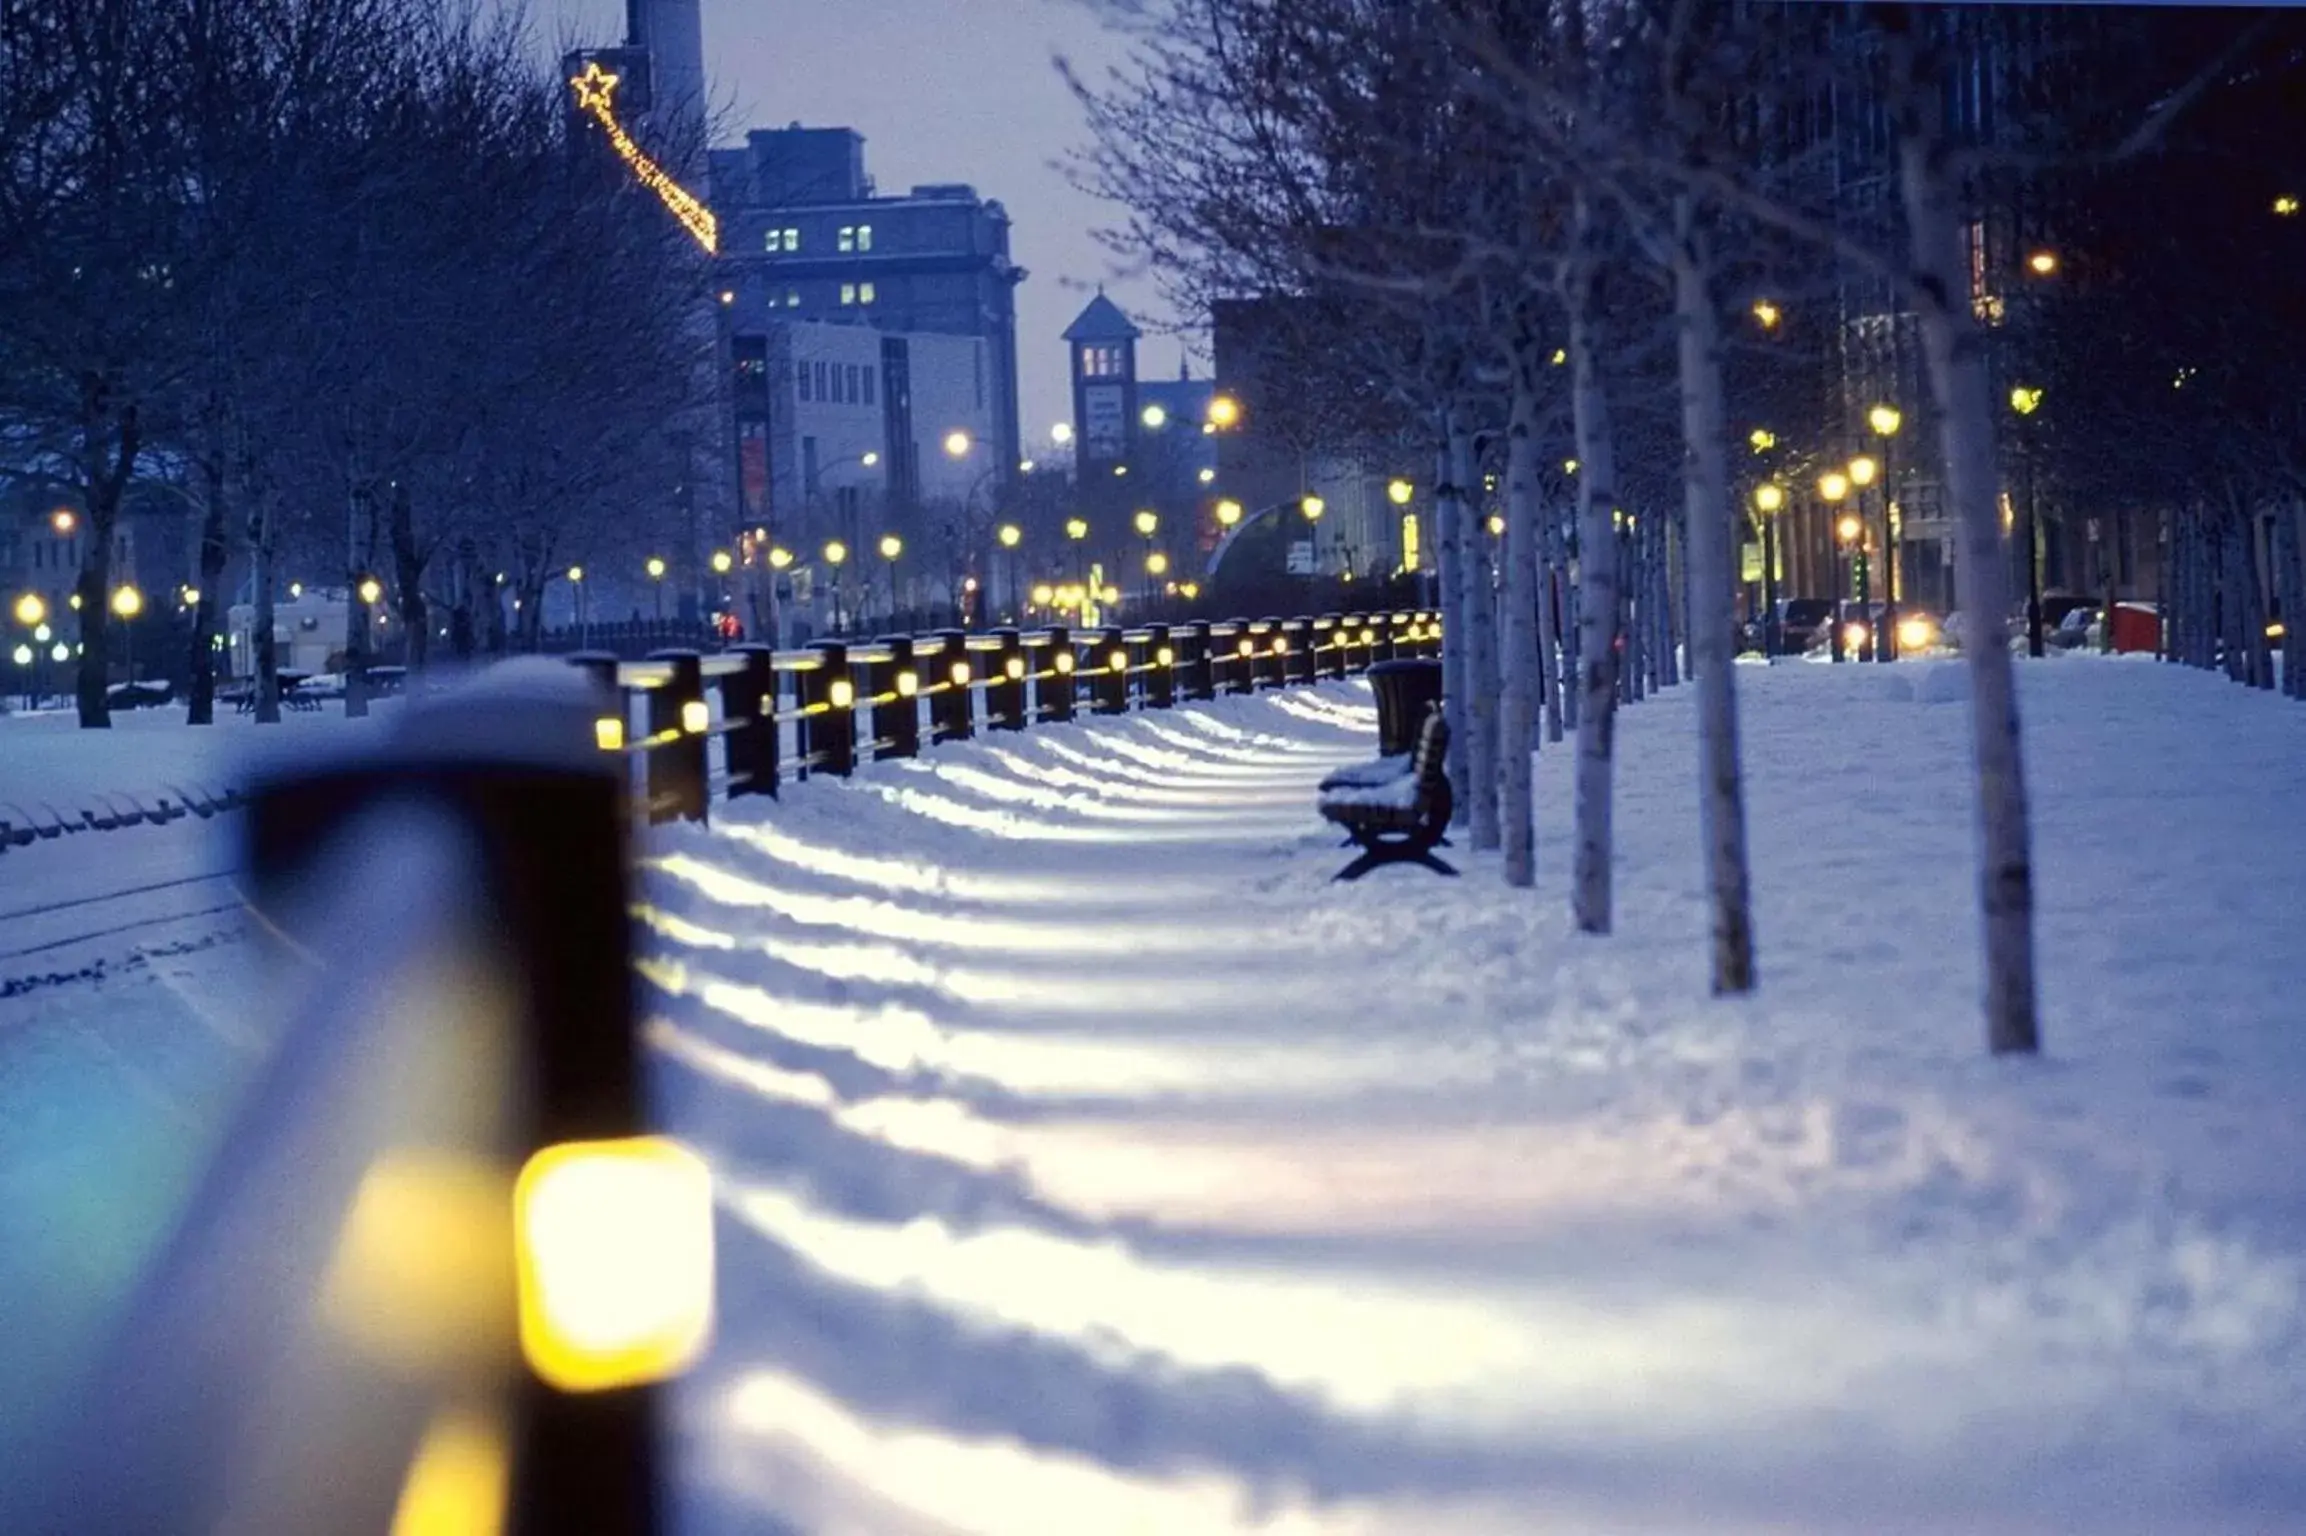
x=1109 y=595
x=1917 y=633
x=74 y=600
x=1769 y=498
x=1010 y=535
x=841 y=693
x=1863 y=470
x=1848 y=528
x=1313 y=507
x=1014 y=667
x=1189 y=590
x=1248 y=646
x=957 y=443
x=1853 y=636
x=595 y=89
x=576 y=573
x=1369 y=637
x=1496 y=523
x=614 y=1249
x=836 y=552
x=1156 y=564
x=1165 y=657
x=780 y=558
x=1399 y=491
x=1833 y=485
x=2025 y=401
x=1885 y=420
x=458 y=1480
x=908 y=684
x=656 y=569
x=891 y=546
x=1224 y=411
x=1042 y=594
x=869 y=459
x=62 y=520
x=1076 y=528
x=1229 y=512
x=191 y=597
x=1767 y=314
x=127 y=602
x=2285 y=205
x=1280 y=645
x=722 y=562
x=1763 y=439
x=31 y=610
x=2042 y=263
x=959 y=674
x=609 y=733
x=1063 y=663
x=1560 y=356
x=296 y=589
x=696 y=718
x=1154 y=416
x=1118 y=661
x=1146 y=522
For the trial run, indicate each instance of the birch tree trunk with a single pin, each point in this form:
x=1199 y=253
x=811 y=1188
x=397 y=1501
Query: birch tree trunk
x=1597 y=582
x=1481 y=643
x=1705 y=485
x=1449 y=544
x=1549 y=618
x=1523 y=660
x=1954 y=348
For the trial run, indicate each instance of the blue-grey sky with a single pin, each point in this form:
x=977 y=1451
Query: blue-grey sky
x=942 y=90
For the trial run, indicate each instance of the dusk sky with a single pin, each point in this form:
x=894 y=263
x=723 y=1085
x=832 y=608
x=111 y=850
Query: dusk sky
x=942 y=90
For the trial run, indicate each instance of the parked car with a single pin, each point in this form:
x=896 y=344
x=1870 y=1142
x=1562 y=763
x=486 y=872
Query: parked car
x=1800 y=621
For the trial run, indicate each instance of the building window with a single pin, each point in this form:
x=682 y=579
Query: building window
x=868 y=381
x=848 y=293
x=865 y=293
x=849 y=383
x=824 y=384
x=801 y=377
x=1101 y=362
x=783 y=240
x=848 y=238
x=864 y=237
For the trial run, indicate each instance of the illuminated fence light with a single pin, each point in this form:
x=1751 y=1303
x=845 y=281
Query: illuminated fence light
x=614 y=1244
x=1014 y=667
x=1369 y=637
x=1165 y=656
x=696 y=717
x=1064 y=663
x=1118 y=661
x=960 y=674
x=1248 y=646
x=908 y=684
x=842 y=693
x=1280 y=645
x=609 y=733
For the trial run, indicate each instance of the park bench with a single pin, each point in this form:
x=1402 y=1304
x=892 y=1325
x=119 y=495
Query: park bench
x=1397 y=817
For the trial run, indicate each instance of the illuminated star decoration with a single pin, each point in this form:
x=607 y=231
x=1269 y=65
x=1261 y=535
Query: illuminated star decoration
x=594 y=90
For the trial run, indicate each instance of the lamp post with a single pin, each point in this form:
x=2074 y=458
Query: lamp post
x=576 y=581
x=2025 y=401
x=891 y=548
x=1833 y=486
x=1009 y=536
x=1769 y=500
x=1863 y=472
x=1313 y=506
x=656 y=570
x=127 y=602
x=1885 y=421
x=835 y=554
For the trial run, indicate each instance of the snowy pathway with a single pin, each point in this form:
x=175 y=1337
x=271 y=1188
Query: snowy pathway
x=1092 y=1164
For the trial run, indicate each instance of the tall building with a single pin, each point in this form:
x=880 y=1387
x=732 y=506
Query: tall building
x=1140 y=444
x=926 y=287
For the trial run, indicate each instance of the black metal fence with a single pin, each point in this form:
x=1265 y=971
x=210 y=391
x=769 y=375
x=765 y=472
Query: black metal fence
x=826 y=706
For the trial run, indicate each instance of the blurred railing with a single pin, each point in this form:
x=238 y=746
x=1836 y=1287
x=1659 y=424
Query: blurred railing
x=825 y=707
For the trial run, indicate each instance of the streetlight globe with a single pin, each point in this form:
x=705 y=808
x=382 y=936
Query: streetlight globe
x=869 y=458
x=1763 y=439
x=1229 y=512
x=1833 y=485
x=1010 y=535
x=1061 y=433
x=2025 y=401
x=1207 y=475
x=1313 y=507
x=31 y=609
x=23 y=655
x=1146 y=522
x=1885 y=420
x=836 y=552
x=957 y=444
x=891 y=546
x=127 y=602
x=780 y=558
x=1224 y=411
x=191 y=597
x=576 y=573
x=1399 y=491
x=1768 y=498
x=62 y=520
x=1848 y=528
x=1767 y=314
x=1156 y=564
x=1863 y=470
x=370 y=590
x=1189 y=590
x=656 y=569
x=1043 y=594
x=722 y=561
x=2042 y=263
x=1076 y=528
x=1154 y=417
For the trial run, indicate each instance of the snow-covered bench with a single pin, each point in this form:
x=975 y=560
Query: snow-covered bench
x=1396 y=816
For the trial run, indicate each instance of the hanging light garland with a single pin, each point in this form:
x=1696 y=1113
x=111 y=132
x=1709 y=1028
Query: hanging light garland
x=595 y=90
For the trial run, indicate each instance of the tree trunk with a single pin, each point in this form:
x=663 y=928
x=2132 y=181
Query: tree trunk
x=408 y=572
x=1713 y=576
x=1449 y=535
x=2257 y=661
x=357 y=619
x=1523 y=659
x=264 y=651
x=215 y=552
x=106 y=482
x=1955 y=350
x=1549 y=618
x=1479 y=571
x=1597 y=582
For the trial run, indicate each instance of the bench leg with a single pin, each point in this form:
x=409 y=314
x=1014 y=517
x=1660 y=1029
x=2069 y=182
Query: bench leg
x=1377 y=855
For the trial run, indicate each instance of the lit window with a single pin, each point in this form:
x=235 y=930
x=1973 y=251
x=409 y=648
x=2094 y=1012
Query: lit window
x=792 y=298
x=864 y=237
x=865 y=293
x=792 y=239
x=848 y=237
x=848 y=293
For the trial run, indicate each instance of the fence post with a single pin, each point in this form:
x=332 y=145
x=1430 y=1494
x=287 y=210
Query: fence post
x=829 y=738
x=955 y=707
x=1193 y=657
x=896 y=688
x=1298 y=665
x=1109 y=655
x=1243 y=659
x=1382 y=631
x=1005 y=694
x=1053 y=690
x=1336 y=632
x=1160 y=668
x=678 y=721
x=749 y=705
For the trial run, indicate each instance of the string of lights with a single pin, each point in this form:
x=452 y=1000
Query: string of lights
x=595 y=92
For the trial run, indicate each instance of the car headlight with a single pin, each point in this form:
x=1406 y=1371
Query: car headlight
x=1917 y=634
x=1853 y=635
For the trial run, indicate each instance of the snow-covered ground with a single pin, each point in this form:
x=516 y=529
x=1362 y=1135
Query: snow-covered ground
x=1092 y=1163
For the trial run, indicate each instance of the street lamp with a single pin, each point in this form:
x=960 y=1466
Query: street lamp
x=1848 y=529
x=62 y=520
x=2042 y=263
x=2026 y=400
x=1833 y=487
x=1762 y=439
x=1769 y=499
x=1399 y=492
x=31 y=609
x=1061 y=433
x=722 y=562
x=1885 y=421
x=1767 y=315
x=957 y=444
x=1228 y=512
x=1156 y=564
x=1207 y=476
x=656 y=570
x=576 y=581
x=371 y=590
x=1225 y=411
x=891 y=547
x=1154 y=417
x=1146 y=522
x=127 y=602
x=780 y=558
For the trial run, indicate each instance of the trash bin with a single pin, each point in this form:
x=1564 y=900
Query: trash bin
x=1405 y=690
